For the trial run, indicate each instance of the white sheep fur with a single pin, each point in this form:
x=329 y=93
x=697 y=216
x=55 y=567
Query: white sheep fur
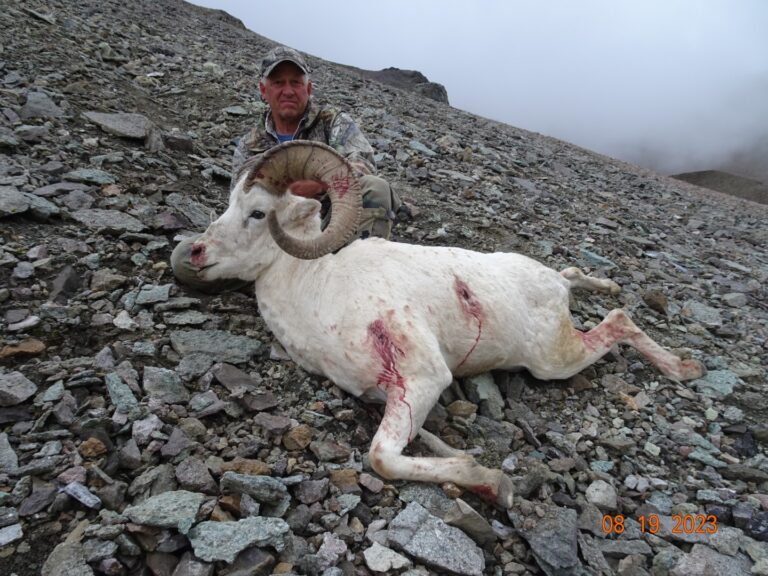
x=398 y=321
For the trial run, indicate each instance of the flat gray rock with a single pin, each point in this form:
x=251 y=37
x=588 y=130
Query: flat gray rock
x=60 y=188
x=150 y=294
x=193 y=474
x=236 y=110
x=429 y=496
x=704 y=560
x=96 y=550
x=483 y=391
x=706 y=315
x=105 y=279
x=177 y=443
x=197 y=214
x=264 y=489
x=164 y=385
x=9 y=461
x=234 y=379
x=12 y=201
x=382 y=559
x=121 y=124
x=90 y=176
x=112 y=221
x=222 y=346
x=41 y=208
x=176 y=509
x=193 y=365
x=602 y=494
x=554 y=543
x=10 y=534
x=186 y=318
x=469 y=520
x=32 y=133
x=76 y=200
x=213 y=541
x=15 y=388
x=191 y=566
x=7 y=138
x=39 y=105
x=67 y=560
x=83 y=495
x=121 y=394
x=717 y=383
x=430 y=540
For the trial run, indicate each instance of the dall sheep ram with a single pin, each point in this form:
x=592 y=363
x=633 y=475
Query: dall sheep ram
x=395 y=321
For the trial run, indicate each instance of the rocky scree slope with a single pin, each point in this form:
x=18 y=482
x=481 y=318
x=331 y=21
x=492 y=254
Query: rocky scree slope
x=146 y=429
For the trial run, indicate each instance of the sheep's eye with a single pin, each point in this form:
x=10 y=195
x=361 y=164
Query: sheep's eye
x=257 y=214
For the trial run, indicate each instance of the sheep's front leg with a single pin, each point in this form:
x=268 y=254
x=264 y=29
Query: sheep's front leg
x=407 y=408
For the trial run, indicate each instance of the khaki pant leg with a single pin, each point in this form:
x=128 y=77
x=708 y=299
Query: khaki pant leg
x=380 y=203
x=186 y=274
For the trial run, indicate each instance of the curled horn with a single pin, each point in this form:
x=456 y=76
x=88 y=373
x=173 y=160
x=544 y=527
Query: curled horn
x=283 y=165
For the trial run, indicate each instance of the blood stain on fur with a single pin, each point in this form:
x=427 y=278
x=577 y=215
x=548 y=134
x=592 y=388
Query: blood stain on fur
x=472 y=308
x=389 y=378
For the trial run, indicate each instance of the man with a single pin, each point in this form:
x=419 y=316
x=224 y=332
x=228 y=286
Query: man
x=287 y=89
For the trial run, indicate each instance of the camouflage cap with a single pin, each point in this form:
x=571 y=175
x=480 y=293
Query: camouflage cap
x=281 y=54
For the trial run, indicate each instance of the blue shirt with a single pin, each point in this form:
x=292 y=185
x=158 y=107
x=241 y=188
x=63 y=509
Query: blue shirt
x=285 y=137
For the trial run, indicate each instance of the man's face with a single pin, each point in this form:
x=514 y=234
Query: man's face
x=286 y=91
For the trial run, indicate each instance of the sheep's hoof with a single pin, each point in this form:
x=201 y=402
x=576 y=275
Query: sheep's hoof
x=692 y=369
x=687 y=370
x=497 y=490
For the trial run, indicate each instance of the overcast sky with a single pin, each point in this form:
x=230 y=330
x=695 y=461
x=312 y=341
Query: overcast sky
x=680 y=85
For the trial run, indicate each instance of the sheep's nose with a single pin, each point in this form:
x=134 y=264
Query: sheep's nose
x=197 y=254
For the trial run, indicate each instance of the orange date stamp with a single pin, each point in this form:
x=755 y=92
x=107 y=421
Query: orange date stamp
x=681 y=524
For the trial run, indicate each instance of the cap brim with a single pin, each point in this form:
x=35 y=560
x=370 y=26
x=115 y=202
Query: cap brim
x=268 y=71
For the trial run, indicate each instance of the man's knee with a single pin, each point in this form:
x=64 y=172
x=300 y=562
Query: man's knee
x=380 y=203
x=377 y=193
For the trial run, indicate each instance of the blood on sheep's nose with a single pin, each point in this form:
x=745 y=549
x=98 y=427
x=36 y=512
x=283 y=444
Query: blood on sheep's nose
x=197 y=254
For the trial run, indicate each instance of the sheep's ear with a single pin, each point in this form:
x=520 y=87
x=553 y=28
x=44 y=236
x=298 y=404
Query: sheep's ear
x=302 y=211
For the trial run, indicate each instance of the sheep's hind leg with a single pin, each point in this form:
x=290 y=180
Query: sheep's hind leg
x=579 y=280
x=586 y=348
x=619 y=326
x=404 y=414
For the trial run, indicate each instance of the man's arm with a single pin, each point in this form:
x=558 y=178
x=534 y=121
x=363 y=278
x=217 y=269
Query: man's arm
x=238 y=159
x=349 y=141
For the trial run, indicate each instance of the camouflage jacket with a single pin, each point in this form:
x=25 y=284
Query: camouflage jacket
x=321 y=124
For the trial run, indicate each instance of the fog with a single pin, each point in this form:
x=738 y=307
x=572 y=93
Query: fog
x=675 y=85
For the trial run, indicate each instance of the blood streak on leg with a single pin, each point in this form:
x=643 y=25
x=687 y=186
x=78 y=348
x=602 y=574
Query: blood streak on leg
x=388 y=350
x=472 y=308
x=486 y=492
x=602 y=336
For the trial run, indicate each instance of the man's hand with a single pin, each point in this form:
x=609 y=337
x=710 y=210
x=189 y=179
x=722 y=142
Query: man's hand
x=307 y=188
